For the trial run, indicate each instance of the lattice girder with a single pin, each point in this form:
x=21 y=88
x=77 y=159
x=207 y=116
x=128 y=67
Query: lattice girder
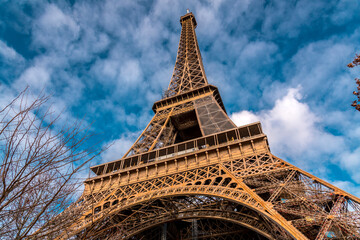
x=192 y=164
x=161 y=132
x=189 y=70
x=151 y=214
x=302 y=192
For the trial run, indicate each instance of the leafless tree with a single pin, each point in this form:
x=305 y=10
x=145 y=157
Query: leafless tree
x=39 y=163
x=356 y=103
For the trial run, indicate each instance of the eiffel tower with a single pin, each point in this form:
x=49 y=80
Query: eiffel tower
x=193 y=174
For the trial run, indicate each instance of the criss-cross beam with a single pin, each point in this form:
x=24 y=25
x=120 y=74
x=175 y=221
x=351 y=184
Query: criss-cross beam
x=189 y=70
x=328 y=221
x=148 y=215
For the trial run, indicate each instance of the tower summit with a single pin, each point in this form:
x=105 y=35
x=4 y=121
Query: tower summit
x=189 y=71
x=192 y=174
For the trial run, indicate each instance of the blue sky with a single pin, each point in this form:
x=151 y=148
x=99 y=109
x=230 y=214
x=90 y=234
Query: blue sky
x=280 y=62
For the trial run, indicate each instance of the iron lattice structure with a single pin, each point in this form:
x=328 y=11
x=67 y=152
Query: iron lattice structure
x=192 y=174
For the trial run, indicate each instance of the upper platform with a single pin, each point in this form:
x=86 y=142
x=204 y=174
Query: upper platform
x=188 y=16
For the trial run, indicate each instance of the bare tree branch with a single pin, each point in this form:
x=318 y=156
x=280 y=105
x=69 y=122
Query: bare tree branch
x=39 y=164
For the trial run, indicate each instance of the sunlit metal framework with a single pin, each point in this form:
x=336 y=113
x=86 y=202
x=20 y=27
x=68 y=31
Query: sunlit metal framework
x=192 y=174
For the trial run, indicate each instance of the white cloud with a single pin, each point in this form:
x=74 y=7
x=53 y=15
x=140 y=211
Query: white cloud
x=113 y=18
x=298 y=15
x=350 y=160
x=9 y=53
x=149 y=32
x=294 y=130
x=6 y=95
x=259 y=51
x=117 y=149
x=110 y=67
x=321 y=69
x=345 y=11
x=244 y=117
x=119 y=72
x=55 y=18
x=210 y=24
x=54 y=29
x=130 y=72
x=37 y=77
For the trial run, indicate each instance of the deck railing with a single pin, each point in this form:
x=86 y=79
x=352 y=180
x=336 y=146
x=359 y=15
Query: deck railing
x=240 y=133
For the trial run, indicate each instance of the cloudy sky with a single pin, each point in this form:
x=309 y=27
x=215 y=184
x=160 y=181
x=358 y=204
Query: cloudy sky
x=282 y=62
